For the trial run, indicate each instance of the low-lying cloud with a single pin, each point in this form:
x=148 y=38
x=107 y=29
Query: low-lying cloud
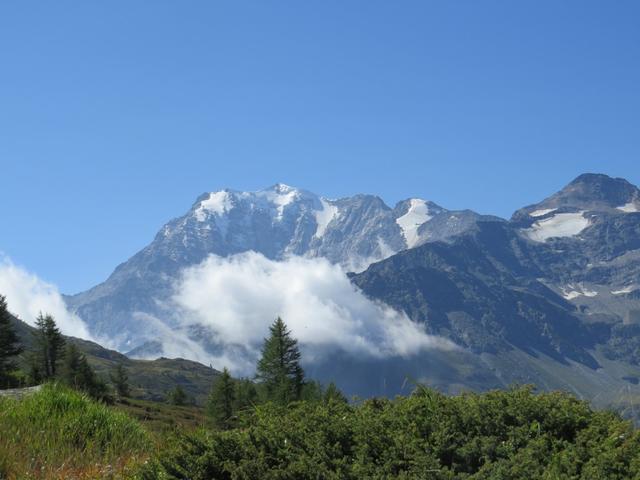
x=28 y=296
x=238 y=297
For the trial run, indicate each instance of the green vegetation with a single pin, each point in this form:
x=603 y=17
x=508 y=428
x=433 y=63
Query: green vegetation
x=162 y=419
x=78 y=374
x=513 y=434
x=120 y=381
x=147 y=379
x=279 y=369
x=61 y=433
x=49 y=348
x=222 y=401
x=287 y=427
x=9 y=346
x=178 y=397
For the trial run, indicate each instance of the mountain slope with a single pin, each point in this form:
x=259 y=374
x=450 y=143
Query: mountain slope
x=277 y=222
x=551 y=296
x=149 y=379
x=561 y=304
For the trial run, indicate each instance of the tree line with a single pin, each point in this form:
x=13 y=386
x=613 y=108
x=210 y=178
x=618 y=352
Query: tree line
x=279 y=379
x=51 y=358
x=279 y=376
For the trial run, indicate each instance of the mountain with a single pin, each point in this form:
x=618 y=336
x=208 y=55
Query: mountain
x=279 y=221
x=550 y=296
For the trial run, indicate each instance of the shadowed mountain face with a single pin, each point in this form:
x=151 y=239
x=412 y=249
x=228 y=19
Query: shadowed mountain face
x=559 y=282
x=551 y=296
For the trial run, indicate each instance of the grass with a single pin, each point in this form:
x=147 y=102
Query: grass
x=61 y=434
x=162 y=418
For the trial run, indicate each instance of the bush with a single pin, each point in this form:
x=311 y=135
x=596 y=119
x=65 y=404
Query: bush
x=513 y=434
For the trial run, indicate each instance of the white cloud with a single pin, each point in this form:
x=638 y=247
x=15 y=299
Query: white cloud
x=28 y=295
x=239 y=297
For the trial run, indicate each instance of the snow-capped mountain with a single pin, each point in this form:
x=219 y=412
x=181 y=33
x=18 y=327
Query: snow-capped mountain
x=278 y=222
x=281 y=220
x=555 y=290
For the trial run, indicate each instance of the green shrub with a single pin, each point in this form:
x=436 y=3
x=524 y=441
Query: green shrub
x=513 y=434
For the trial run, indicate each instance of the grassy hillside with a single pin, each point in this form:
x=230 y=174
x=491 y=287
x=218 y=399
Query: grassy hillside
x=149 y=379
x=61 y=434
x=161 y=418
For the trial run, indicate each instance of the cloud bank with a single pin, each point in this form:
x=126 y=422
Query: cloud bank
x=238 y=297
x=28 y=295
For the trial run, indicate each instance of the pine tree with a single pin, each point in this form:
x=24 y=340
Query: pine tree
x=279 y=368
x=246 y=394
x=311 y=391
x=120 y=381
x=50 y=344
x=333 y=394
x=71 y=370
x=78 y=374
x=222 y=399
x=177 y=396
x=9 y=344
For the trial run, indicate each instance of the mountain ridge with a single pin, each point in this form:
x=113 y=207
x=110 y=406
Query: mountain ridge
x=554 y=282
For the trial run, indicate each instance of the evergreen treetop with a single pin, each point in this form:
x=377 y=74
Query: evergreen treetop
x=50 y=345
x=279 y=368
x=9 y=343
x=222 y=401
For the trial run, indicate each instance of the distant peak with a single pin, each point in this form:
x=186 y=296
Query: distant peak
x=587 y=192
x=598 y=187
x=597 y=179
x=282 y=188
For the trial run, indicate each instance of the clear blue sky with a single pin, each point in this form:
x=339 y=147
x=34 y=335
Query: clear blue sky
x=115 y=116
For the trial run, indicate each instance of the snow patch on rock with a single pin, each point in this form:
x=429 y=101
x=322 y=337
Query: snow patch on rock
x=218 y=203
x=541 y=213
x=417 y=215
x=324 y=217
x=630 y=207
x=280 y=196
x=559 y=225
x=624 y=290
x=571 y=292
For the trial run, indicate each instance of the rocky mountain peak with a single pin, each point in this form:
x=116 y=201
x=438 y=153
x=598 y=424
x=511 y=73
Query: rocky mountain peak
x=592 y=189
x=589 y=192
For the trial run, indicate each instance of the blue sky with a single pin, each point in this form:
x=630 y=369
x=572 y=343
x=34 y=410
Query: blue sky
x=115 y=116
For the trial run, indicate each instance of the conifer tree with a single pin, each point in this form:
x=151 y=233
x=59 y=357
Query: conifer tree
x=177 y=396
x=78 y=374
x=222 y=399
x=333 y=394
x=120 y=381
x=279 y=368
x=246 y=394
x=311 y=391
x=49 y=344
x=9 y=344
x=71 y=367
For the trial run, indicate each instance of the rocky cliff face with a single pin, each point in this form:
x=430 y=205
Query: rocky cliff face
x=559 y=282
